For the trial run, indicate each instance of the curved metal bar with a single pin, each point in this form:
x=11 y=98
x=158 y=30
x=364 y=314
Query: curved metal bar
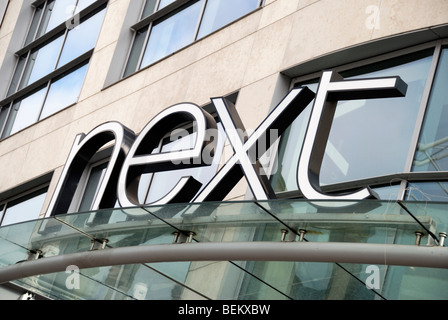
x=357 y=253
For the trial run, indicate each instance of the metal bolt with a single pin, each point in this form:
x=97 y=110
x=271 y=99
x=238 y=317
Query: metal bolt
x=190 y=236
x=443 y=236
x=176 y=236
x=98 y=244
x=105 y=242
x=284 y=233
x=34 y=255
x=302 y=235
x=419 y=237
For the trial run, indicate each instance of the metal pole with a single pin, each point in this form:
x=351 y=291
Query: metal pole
x=358 y=253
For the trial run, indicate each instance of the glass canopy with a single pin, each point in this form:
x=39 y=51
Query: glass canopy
x=365 y=222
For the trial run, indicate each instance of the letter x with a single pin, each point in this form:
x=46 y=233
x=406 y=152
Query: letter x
x=241 y=164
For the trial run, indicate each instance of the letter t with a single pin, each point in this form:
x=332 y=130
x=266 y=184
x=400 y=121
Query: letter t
x=333 y=88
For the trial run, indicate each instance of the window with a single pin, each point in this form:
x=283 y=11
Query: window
x=90 y=182
x=180 y=23
x=23 y=208
x=432 y=148
x=3 y=8
x=432 y=151
x=370 y=139
x=52 y=64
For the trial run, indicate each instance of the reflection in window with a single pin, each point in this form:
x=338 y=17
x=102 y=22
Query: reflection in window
x=64 y=92
x=427 y=191
x=23 y=209
x=24 y=113
x=368 y=138
x=81 y=39
x=136 y=51
x=172 y=34
x=221 y=12
x=91 y=189
x=56 y=12
x=41 y=62
x=181 y=27
x=40 y=86
x=432 y=150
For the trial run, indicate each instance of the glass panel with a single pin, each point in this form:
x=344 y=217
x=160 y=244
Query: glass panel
x=25 y=112
x=91 y=189
x=150 y=7
x=126 y=282
x=233 y=222
x=82 y=38
x=307 y=281
x=382 y=149
x=24 y=209
x=64 y=92
x=56 y=13
x=11 y=253
x=2 y=207
x=164 y=3
x=432 y=152
x=337 y=221
x=285 y=174
x=3 y=116
x=436 y=211
x=136 y=51
x=34 y=25
x=172 y=34
x=374 y=150
x=427 y=191
x=42 y=62
x=218 y=13
x=82 y=4
x=408 y=283
x=17 y=75
x=388 y=193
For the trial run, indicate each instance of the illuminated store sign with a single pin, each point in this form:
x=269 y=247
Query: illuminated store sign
x=132 y=154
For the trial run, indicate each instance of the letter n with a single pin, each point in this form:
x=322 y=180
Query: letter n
x=83 y=149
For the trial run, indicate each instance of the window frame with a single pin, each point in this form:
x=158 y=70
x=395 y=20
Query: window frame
x=160 y=15
x=3 y=9
x=44 y=187
x=58 y=72
x=401 y=179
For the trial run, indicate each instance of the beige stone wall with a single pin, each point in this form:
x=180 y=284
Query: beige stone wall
x=248 y=56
